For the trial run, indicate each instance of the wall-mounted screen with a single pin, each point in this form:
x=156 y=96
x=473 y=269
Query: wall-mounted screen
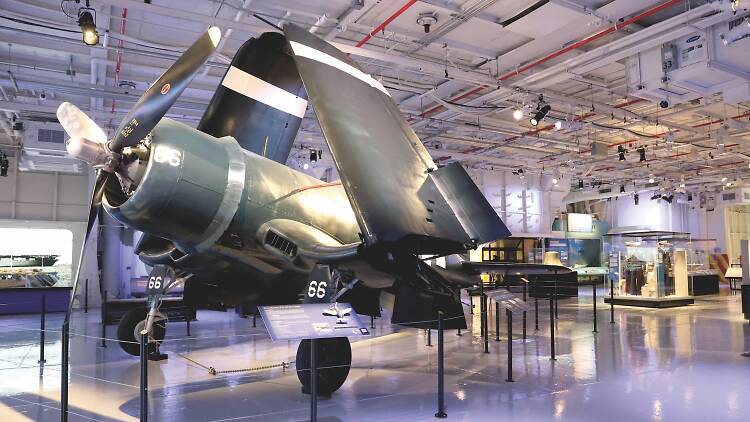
x=35 y=257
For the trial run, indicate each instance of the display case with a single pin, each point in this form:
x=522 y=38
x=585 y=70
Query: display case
x=649 y=268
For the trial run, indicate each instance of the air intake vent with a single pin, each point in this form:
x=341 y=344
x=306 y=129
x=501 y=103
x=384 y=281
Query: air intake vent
x=605 y=190
x=51 y=136
x=652 y=185
x=728 y=196
x=281 y=243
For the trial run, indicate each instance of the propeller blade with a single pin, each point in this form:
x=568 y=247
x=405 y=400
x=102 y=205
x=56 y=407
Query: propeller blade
x=96 y=202
x=155 y=102
x=78 y=125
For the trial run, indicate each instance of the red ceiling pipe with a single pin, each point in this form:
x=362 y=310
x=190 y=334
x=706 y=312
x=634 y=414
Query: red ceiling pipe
x=118 y=62
x=569 y=48
x=385 y=23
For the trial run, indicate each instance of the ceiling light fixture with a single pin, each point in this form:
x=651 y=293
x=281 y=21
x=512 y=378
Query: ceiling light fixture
x=723 y=179
x=313 y=156
x=580 y=184
x=651 y=178
x=541 y=113
x=87 y=22
x=518 y=114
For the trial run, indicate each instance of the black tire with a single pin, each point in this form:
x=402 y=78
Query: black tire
x=126 y=331
x=334 y=354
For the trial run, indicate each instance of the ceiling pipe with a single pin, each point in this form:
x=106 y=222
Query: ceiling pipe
x=386 y=22
x=560 y=52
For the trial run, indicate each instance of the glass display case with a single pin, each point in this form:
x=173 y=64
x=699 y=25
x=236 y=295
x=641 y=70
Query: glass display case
x=649 y=268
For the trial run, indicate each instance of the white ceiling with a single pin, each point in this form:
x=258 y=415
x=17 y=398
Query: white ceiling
x=41 y=46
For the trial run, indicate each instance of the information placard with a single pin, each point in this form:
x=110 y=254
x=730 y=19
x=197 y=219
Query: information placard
x=508 y=300
x=312 y=320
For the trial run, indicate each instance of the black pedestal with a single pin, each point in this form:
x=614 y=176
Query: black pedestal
x=746 y=300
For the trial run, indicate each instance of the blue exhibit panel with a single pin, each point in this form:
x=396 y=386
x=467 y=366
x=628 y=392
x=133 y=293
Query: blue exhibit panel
x=28 y=300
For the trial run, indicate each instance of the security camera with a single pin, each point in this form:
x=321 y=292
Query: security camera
x=427 y=20
x=664 y=104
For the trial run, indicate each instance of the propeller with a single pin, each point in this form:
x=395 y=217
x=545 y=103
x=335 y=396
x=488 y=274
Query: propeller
x=88 y=141
x=155 y=102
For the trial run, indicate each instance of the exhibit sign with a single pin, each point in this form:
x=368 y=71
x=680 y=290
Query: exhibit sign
x=312 y=320
x=508 y=300
x=583 y=223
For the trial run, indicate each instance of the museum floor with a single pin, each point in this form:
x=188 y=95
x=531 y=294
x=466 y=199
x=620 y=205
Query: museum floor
x=680 y=364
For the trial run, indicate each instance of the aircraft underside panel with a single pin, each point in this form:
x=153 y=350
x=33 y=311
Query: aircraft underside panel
x=384 y=168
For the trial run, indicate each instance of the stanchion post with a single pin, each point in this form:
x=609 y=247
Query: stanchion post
x=86 y=296
x=429 y=337
x=42 y=318
x=509 y=316
x=188 y=315
x=313 y=381
x=557 y=315
x=594 y=295
x=104 y=319
x=497 y=321
x=536 y=313
x=525 y=299
x=441 y=370
x=254 y=320
x=144 y=377
x=372 y=322
x=471 y=304
x=611 y=302
x=64 y=374
x=485 y=318
x=552 y=328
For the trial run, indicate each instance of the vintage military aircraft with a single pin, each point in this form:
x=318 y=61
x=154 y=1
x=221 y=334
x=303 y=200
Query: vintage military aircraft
x=221 y=210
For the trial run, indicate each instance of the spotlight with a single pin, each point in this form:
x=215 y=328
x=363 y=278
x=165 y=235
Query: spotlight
x=651 y=178
x=518 y=114
x=668 y=198
x=621 y=152
x=320 y=154
x=555 y=180
x=558 y=125
x=313 y=156
x=305 y=166
x=642 y=154
x=540 y=114
x=723 y=179
x=88 y=26
x=622 y=188
x=635 y=199
x=568 y=125
x=580 y=184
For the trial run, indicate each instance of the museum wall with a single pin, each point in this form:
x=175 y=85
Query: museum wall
x=37 y=200
x=527 y=205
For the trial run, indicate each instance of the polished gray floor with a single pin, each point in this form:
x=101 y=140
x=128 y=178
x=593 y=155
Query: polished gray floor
x=679 y=364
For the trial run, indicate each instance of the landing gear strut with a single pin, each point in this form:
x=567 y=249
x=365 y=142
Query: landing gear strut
x=334 y=358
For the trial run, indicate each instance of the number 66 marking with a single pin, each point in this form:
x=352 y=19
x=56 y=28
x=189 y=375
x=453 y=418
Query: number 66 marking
x=154 y=282
x=317 y=289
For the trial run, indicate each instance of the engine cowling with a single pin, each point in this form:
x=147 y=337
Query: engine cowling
x=191 y=188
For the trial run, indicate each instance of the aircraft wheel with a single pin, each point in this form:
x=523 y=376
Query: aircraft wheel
x=333 y=354
x=128 y=331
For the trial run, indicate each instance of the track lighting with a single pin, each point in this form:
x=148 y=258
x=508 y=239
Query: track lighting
x=541 y=113
x=87 y=22
x=621 y=152
x=642 y=154
x=518 y=114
